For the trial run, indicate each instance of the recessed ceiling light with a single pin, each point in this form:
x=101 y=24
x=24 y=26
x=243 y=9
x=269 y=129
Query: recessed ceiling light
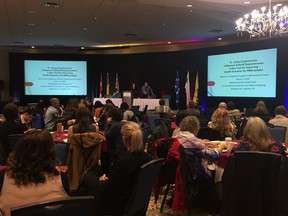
x=31 y=24
x=32 y=12
x=33 y=47
x=219 y=38
x=51 y=5
x=189 y=5
x=246 y=2
x=169 y=42
x=85 y=29
x=82 y=48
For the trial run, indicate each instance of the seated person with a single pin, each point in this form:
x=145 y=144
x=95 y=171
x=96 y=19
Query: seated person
x=9 y=126
x=193 y=109
x=69 y=113
x=256 y=137
x=261 y=111
x=111 y=192
x=199 y=156
x=25 y=118
x=163 y=109
x=221 y=121
x=281 y=119
x=53 y=114
x=83 y=123
x=233 y=113
x=128 y=115
x=31 y=175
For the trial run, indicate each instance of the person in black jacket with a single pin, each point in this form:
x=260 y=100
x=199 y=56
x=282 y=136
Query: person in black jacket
x=112 y=191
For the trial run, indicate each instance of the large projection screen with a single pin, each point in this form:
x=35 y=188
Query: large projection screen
x=243 y=74
x=43 y=77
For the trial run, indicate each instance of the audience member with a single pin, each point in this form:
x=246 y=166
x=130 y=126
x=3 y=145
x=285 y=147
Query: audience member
x=193 y=109
x=163 y=109
x=69 y=113
x=31 y=175
x=83 y=123
x=256 y=137
x=98 y=108
x=222 y=105
x=102 y=123
x=111 y=192
x=9 y=126
x=198 y=155
x=25 y=118
x=113 y=135
x=221 y=121
x=281 y=119
x=146 y=91
x=261 y=111
x=128 y=115
x=53 y=113
x=233 y=113
x=181 y=114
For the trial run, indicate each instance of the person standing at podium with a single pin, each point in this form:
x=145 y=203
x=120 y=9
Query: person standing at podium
x=146 y=91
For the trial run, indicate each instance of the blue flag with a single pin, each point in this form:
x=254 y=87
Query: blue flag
x=177 y=89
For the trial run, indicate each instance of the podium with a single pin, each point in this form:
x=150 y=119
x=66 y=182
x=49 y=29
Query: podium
x=127 y=97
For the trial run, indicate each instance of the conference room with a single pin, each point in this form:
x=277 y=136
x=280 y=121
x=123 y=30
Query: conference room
x=184 y=51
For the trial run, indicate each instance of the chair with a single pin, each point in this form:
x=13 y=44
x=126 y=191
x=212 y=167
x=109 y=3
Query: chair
x=72 y=206
x=139 y=198
x=278 y=133
x=209 y=133
x=3 y=155
x=250 y=184
x=161 y=121
x=61 y=152
x=238 y=126
x=84 y=155
x=151 y=120
x=13 y=139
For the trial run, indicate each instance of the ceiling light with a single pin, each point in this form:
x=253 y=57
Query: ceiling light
x=219 y=38
x=189 y=5
x=51 y=5
x=246 y=2
x=169 y=42
x=273 y=21
x=33 y=47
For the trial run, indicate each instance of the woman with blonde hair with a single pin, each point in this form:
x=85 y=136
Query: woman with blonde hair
x=221 y=121
x=112 y=191
x=256 y=137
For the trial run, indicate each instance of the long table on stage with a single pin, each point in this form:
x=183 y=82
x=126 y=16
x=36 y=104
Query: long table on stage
x=141 y=102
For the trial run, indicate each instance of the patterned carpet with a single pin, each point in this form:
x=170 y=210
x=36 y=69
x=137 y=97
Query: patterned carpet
x=154 y=209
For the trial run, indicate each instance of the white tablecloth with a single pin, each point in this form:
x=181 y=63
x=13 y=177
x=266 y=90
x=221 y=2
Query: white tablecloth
x=116 y=101
x=136 y=102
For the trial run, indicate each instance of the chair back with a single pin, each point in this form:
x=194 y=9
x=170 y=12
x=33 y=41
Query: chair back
x=61 y=152
x=72 y=206
x=13 y=139
x=209 y=133
x=151 y=120
x=249 y=183
x=278 y=133
x=3 y=155
x=140 y=195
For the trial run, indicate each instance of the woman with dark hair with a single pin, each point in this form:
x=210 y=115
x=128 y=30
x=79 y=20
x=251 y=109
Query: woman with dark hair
x=83 y=123
x=128 y=115
x=69 y=113
x=31 y=175
x=9 y=126
x=98 y=108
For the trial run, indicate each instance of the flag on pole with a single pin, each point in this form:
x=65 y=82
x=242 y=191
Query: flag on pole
x=195 y=97
x=107 y=85
x=101 y=86
x=187 y=88
x=117 y=82
x=177 y=89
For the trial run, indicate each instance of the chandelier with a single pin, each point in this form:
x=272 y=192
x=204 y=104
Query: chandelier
x=264 y=23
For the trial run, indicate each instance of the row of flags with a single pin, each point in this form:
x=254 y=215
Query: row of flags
x=187 y=89
x=107 y=84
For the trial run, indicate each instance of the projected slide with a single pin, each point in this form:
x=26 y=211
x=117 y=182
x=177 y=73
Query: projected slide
x=55 y=77
x=243 y=74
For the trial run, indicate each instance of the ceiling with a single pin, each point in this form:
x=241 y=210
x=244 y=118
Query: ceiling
x=98 y=24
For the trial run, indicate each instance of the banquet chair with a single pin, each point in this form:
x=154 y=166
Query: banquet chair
x=61 y=152
x=278 y=133
x=13 y=139
x=209 y=133
x=139 y=198
x=151 y=119
x=72 y=206
x=166 y=148
x=250 y=184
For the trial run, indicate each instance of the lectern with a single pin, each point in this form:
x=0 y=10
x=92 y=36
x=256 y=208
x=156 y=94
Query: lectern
x=127 y=97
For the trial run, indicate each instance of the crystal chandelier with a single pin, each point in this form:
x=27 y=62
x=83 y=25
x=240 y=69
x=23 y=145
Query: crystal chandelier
x=264 y=23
